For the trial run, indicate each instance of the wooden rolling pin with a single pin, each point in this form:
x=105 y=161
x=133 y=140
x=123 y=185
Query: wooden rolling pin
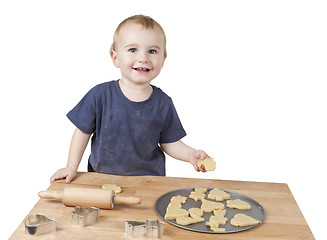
x=89 y=197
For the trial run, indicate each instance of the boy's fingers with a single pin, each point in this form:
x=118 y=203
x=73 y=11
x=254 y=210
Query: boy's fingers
x=54 y=178
x=196 y=168
x=70 y=177
x=202 y=168
x=60 y=174
x=204 y=155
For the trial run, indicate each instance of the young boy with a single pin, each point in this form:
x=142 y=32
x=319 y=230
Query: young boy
x=132 y=121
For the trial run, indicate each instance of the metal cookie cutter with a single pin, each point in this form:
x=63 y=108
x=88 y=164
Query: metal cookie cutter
x=84 y=216
x=135 y=228
x=150 y=228
x=154 y=228
x=38 y=224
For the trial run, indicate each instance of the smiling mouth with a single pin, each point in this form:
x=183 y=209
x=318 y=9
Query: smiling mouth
x=141 y=69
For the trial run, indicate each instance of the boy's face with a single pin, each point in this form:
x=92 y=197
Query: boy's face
x=139 y=53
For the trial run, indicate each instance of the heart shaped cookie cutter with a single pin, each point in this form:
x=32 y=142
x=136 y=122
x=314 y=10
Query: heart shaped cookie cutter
x=84 y=216
x=37 y=224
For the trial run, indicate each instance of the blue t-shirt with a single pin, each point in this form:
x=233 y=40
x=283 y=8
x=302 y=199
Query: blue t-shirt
x=126 y=134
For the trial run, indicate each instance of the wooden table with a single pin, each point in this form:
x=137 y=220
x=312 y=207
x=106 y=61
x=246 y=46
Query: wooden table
x=283 y=220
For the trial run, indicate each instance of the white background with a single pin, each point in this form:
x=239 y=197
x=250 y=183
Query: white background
x=248 y=79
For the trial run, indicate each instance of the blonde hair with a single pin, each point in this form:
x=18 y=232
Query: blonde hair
x=145 y=21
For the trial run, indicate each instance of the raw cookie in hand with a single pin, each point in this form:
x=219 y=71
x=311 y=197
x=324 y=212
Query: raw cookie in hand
x=208 y=163
x=238 y=204
x=240 y=220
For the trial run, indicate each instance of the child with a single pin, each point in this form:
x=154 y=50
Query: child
x=132 y=122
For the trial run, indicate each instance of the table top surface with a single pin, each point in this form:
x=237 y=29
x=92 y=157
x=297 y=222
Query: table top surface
x=283 y=219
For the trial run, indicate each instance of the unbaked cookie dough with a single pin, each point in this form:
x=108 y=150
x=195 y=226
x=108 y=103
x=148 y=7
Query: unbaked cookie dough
x=241 y=220
x=208 y=163
x=112 y=187
x=218 y=195
x=195 y=217
x=217 y=219
x=214 y=228
x=220 y=212
x=174 y=208
x=178 y=199
x=198 y=194
x=189 y=220
x=210 y=206
x=195 y=212
x=200 y=189
x=238 y=204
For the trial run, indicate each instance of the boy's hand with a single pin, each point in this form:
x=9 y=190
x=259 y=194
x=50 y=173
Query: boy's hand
x=67 y=172
x=181 y=151
x=198 y=154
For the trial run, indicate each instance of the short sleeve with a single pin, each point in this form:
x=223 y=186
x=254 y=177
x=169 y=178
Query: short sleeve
x=84 y=113
x=173 y=129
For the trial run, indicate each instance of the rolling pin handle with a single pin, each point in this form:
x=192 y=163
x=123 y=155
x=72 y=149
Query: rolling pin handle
x=126 y=200
x=51 y=195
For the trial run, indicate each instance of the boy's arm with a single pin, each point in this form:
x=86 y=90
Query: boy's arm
x=77 y=147
x=181 y=151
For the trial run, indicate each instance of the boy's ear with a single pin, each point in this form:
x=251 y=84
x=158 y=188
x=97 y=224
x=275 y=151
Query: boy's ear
x=163 y=62
x=114 y=59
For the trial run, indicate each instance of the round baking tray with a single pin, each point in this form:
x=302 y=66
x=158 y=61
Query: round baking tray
x=256 y=211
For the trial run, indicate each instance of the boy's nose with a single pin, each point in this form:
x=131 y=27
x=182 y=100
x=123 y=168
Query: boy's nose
x=143 y=57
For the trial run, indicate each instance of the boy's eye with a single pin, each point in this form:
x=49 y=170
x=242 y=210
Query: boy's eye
x=152 y=51
x=132 y=50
